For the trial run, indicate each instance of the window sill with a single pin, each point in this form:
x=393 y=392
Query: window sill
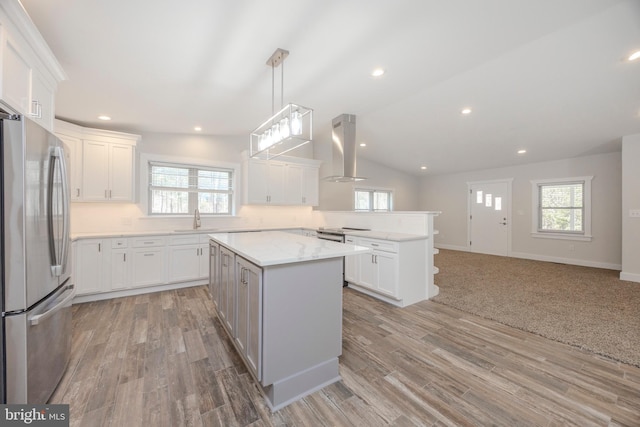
x=561 y=236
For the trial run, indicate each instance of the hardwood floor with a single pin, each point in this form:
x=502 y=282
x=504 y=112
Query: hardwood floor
x=163 y=360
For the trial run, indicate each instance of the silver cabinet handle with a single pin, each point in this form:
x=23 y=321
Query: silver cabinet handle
x=77 y=192
x=109 y=193
x=124 y=257
x=375 y=244
x=149 y=254
x=99 y=247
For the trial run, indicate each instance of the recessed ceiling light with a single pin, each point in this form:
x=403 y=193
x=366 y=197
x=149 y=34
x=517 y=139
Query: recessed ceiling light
x=377 y=72
x=424 y=168
x=634 y=56
x=197 y=128
x=362 y=144
x=103 y=117
x=466 y=111
x=522 y=151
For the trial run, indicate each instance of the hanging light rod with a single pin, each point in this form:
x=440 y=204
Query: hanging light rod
x=289 y=128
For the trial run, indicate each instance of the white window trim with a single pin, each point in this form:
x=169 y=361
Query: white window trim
x=367 y=188
x=145 y=158
x=535 y=202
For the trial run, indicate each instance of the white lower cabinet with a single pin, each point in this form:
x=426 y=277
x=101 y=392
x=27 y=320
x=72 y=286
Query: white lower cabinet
x=148 y=266
x=396 y=271
x=120 y=265
x=379 y=270
x=248 y=331
x=89 y=272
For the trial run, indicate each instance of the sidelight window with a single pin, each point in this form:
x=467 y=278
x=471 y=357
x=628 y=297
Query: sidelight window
x=563 y=208
x=179 y=189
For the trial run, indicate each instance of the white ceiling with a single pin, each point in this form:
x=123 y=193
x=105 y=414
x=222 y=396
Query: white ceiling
x=548 y=76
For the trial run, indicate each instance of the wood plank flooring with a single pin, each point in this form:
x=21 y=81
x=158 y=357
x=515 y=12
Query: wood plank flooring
x=163 y=360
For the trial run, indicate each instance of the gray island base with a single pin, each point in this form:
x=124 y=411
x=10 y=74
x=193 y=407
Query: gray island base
x=302 y=329
x=279 y=297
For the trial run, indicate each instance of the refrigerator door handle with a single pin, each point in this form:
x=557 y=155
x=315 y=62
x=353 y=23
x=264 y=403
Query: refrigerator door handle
x=34 y=320
x=58 y=260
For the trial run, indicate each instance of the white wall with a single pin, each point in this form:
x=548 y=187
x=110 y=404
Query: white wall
x=448 y=193
x=630 y=201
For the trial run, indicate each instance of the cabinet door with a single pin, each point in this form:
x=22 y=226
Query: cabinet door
x=368 y=271
x=227 y=290
x=277 y=180
x=42 y=99
x=310 y=185
x=16 y=76
x=184 y=263
x=120 y=270
x=89 y=262
x=293 y=186
x=214 y=273
x=203 y=256
x=121 y=173
x=351 y=263
x=73 y=154
x=387 y=269
x=148 y=266
x=249 y=314
x=95 y=170
x=257 y=182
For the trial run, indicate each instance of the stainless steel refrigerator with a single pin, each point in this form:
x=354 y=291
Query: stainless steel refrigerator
x=34 y=261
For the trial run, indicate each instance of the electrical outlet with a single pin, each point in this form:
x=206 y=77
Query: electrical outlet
x=634 y=213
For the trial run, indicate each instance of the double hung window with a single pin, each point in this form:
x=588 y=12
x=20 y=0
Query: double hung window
x=562 y=208
x=180 y=189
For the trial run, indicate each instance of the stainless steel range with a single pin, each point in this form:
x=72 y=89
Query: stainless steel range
x=336 y=234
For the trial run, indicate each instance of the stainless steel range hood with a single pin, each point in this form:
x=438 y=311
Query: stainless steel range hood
x=344 y=149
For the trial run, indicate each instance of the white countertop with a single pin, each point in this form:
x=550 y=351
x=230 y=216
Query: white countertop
x=276 y=247
x=107 y=234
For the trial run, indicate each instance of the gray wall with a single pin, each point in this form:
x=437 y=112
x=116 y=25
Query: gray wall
x=448 y=193
x=630 y=200
x=338 y=196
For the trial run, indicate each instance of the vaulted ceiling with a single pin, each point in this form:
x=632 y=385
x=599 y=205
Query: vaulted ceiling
x=548 y=76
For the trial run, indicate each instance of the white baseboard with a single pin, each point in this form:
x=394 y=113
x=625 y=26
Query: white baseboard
x=570 y=261
x=451 y=247
x=560 y=260
x=136 y=291
x=631 y=277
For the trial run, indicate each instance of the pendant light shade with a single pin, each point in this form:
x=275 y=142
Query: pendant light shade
x=285 y=130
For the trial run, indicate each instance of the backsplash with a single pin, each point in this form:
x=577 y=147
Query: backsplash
x=128 y=217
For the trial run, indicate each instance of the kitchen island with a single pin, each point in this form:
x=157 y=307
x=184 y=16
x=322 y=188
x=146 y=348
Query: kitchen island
x=279 y=297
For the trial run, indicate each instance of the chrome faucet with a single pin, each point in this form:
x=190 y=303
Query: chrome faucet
x=196 y=219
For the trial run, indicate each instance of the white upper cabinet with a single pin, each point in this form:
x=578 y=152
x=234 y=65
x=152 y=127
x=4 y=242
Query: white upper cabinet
x=290 y=181
x=29 y=72
x=102 y=163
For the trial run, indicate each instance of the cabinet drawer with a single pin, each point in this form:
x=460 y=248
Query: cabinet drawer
x=119 y=243
x=189 y=239
x=148 y=242
x=380 y=245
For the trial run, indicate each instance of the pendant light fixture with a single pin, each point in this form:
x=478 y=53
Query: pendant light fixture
x=289 y=128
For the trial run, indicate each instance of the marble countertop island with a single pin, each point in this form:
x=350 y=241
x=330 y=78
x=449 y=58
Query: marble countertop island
x=267 y=248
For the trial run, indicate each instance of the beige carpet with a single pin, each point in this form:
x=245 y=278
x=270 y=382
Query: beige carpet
x=585 y=307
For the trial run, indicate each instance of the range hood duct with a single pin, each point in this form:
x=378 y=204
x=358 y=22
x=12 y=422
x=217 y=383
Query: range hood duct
x=343 y=135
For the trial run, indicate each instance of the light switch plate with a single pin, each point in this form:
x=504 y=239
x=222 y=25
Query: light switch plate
x=634 y=213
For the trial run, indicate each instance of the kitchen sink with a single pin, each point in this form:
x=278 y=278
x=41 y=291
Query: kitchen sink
x=193 y=230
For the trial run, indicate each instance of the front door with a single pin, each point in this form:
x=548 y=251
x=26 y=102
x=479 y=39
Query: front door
x=490 y=217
